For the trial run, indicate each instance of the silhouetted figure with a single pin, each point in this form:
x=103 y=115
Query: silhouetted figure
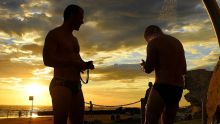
x=150 y=85
x=165 y=55
x=61 y=51
x=90 y=106
x=112 y=118
x=118 y=117
x=86 y=122
x=119 y=110
x=189 y=117
x=19 y=114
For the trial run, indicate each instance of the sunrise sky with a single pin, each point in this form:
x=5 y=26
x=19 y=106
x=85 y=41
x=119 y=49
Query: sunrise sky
x=112 y=36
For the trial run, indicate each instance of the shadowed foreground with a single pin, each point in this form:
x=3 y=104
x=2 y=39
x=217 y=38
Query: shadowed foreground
x=49 y=120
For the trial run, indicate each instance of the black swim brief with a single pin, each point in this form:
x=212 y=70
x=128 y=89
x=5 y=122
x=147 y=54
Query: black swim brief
x=170 y=94
x=74 y=86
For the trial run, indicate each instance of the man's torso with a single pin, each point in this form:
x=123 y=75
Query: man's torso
x=67 y=45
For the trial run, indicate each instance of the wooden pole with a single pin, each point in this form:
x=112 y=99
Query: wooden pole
x=214 y=13
x=32 y=106
x=31 y=98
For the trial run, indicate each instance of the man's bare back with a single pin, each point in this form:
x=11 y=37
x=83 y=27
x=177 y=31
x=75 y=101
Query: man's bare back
x=168 y=60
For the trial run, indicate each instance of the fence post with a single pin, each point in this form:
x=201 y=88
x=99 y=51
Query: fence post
x=8 y=113
x=142 y=110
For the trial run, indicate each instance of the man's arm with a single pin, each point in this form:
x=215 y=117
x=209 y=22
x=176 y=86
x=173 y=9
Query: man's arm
x=184 y=65
x=151 y=58
x=53 y=59
x=183 y=61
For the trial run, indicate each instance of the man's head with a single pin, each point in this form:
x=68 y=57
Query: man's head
x=73 y=15
x=150 y=84
x=152 y=32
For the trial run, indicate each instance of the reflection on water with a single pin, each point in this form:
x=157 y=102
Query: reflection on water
x=34 y=115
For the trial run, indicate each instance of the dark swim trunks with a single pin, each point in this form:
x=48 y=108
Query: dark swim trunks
x=170 y=94
x=74 y=86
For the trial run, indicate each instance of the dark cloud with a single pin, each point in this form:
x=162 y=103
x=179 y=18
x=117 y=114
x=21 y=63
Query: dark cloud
x=120 y=72
x=102 y=60
x=38 y=23
x=12 y=5
x=119 y=23
x=36 y=49
x=189 y=8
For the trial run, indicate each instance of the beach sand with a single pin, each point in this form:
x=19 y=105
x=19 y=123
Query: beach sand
x=105 y=119
x=40 y=120
x=49 y=120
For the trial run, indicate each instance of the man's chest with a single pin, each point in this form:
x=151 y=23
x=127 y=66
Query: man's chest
x=68 y=45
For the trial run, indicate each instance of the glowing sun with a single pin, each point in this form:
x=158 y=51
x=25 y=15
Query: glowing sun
x=34 y=89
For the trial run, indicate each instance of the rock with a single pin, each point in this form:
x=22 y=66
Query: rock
x=197 y=82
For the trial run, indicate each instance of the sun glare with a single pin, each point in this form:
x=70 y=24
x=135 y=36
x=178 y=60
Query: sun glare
x=34 y=115
x=34 y=89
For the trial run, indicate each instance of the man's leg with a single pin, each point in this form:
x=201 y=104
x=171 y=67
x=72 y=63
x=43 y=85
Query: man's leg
x=169 y=114
x=61 y=98
x=154 y=108
x=76 y=114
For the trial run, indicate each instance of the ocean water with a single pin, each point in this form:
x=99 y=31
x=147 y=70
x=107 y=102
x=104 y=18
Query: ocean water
x=12 y=111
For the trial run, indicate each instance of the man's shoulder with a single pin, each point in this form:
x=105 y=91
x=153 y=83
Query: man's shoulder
x=54 y=31
x=168 y=37
x=171 y=39
x=164 y=40
x=53 y=34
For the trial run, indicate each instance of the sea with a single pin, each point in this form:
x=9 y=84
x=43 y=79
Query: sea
x=21 y=111
x=25 y=111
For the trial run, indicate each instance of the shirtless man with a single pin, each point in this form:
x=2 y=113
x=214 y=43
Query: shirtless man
x=165 y=55
x=61 y=51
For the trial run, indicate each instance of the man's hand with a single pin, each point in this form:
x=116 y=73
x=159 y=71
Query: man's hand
x=90 y=65
x=142 y=64
x=84 y=67
x=87 y=65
